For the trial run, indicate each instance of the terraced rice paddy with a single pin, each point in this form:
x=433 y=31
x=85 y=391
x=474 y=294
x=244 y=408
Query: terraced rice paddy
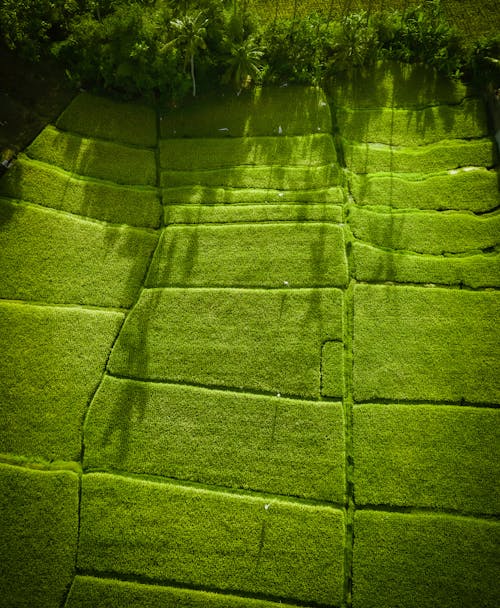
x=247 y=363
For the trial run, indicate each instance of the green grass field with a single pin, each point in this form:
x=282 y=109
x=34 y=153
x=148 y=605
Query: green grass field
x=261 y=112
x=268 y=444
x=252 y=213
x=263 y=340
x=413 y=127
x=417 y=344
x=424 y=559
x=100 y=118
x=400 y=463
x=50 y=186
x=371 y=264
x=205 y=195
x=89 y=592
x=395 y=85
x=474 y=189
x=94 y=158
x=255 y=255
x=39 y=535
x=210 y=153
x=425 y=231
x=270 y=178
x=254 y=367
x=46 y=384
x=441 y=156
x=196 y=535
x=69 y=260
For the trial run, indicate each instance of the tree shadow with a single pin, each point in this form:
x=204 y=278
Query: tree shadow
x=7 y=211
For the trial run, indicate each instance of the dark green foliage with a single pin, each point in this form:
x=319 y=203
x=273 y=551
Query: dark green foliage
x=484 y=67
x=68 y=260
x=123 y=50
x=39 y=536
x=294 y=50
x=354 y=43
x=250 y=256
x=146 y=47
x=271 y=444
x=91 y=592
x=275 y=337
x=427 y=456
x=29 y=25
x=198 y=537
x=51 y=361
x=422 y=34
x=416 y=343
x=431 y=560
x=244 y=63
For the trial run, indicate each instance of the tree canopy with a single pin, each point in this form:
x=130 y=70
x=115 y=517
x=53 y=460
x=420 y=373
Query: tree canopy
x=140 y=47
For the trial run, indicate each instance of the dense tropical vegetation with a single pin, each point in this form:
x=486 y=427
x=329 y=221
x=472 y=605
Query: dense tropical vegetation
x=139 y=47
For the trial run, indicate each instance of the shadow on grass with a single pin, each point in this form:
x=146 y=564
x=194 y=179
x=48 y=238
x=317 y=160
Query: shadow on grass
x=6 y=213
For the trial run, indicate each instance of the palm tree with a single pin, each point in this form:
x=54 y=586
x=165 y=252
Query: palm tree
x=191 y=32
x=244 y=62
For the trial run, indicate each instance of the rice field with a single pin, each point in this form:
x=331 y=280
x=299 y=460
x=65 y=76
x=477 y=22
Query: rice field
x=471 y=18
x=247 y=363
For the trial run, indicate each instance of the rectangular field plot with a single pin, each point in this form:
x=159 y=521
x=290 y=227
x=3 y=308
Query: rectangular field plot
x=94 y=158
x=267 y=177
x=433 y=232
x=376 y=265
x=225 y=214
x=93 y=116
x=197 y=537
x=427 y=456
x=267 y=255
x=52 y=187
x=441 y=156
x=414 y=343
x=51 y=360
x=209 y=153
x=39 y=536
x=203 y=195
x=414 y=127
x=50 y=256
x=436 y=561
x=262 y=111
x=271 y=444
x=264 y=340
x=392 y=83
x=90 y=592
x=475 y=190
